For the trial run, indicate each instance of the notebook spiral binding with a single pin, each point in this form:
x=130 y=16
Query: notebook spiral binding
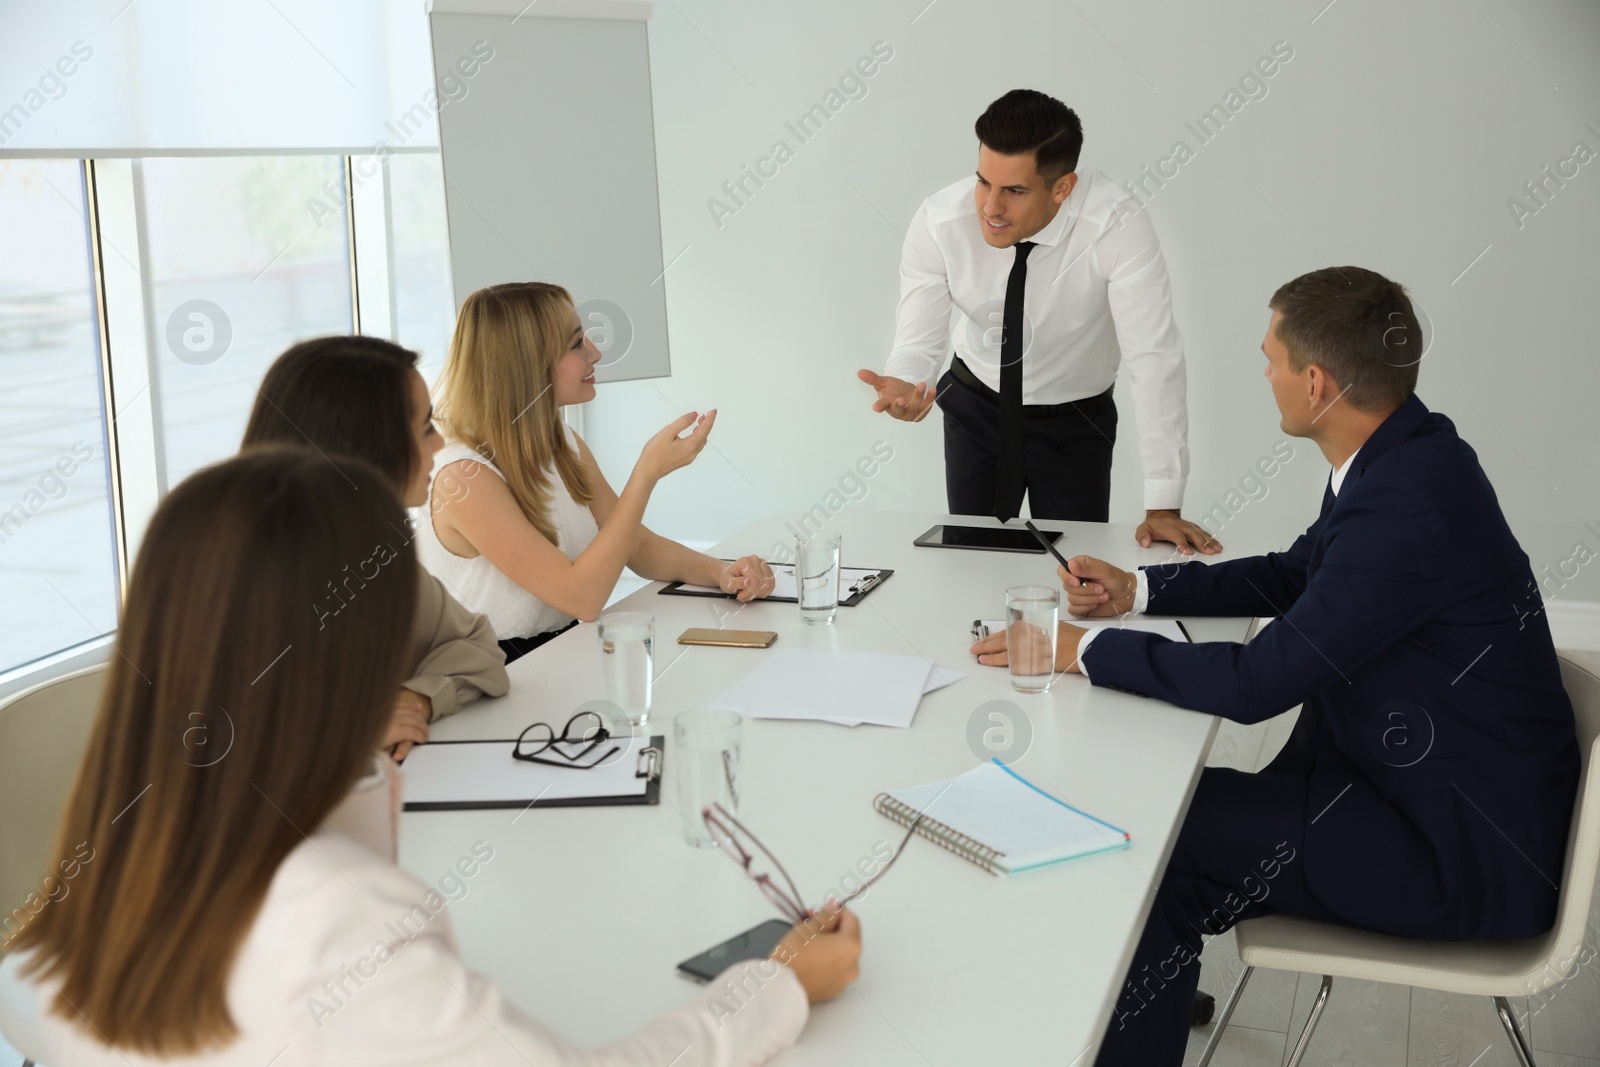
x=940 y=834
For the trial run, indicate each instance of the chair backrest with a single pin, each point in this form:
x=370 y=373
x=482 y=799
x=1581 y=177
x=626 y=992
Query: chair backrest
x=1582 y=682
x=43 y=734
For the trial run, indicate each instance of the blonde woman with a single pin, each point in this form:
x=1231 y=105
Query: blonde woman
x=524 y=525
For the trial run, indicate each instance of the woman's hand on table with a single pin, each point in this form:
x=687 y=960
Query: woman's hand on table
x=748 y=578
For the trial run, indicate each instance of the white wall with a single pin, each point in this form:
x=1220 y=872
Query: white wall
x=1392 y=140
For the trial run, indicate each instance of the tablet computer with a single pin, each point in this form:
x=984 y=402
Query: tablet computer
x=985 y=539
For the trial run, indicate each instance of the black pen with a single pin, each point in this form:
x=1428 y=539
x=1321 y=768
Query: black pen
x=1045 y=541
x=1184 y=630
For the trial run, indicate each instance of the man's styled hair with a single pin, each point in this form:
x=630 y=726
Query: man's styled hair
x=1026 y=120
x=1358 y=326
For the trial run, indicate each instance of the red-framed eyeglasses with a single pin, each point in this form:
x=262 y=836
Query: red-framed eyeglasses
x=745 y=850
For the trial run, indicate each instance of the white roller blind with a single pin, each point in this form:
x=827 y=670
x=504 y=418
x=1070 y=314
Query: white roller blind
x=147 y=77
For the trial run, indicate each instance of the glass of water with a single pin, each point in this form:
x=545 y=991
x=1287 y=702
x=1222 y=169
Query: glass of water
x=816 y=577
x=1032 y=612
x=706 y=764
x=627 y=663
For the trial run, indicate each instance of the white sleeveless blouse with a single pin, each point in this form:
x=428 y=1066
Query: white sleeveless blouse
x=479 y=584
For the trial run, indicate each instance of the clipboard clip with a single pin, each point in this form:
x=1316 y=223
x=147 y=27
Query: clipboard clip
x=648 y=764
x=863 y=585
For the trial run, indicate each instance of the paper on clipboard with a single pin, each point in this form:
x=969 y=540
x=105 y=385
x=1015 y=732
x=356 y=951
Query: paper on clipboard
x=482 y=774
x=784 y=584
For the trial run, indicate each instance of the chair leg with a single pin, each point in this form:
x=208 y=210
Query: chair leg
x=1304 y=1043
x=1519 y=1044
x=1227 y=1013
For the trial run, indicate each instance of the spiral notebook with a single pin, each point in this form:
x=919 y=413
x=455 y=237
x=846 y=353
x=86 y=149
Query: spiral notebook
x=997 y=819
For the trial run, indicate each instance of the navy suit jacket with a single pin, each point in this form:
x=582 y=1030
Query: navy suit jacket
x=1435 y=733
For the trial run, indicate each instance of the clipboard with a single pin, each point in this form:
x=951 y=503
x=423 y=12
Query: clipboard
x=852 y=593
x=479 y=774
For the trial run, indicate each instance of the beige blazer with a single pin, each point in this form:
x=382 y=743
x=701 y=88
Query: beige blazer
x=352 y=962
x=456 y=652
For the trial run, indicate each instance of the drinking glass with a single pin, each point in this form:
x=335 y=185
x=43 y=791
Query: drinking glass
x=706 y=763
x=816 y=577
x=1032 y=612
x=627 y=663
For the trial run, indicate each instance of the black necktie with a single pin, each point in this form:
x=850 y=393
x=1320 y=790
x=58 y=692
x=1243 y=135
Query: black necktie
x=1009 y=482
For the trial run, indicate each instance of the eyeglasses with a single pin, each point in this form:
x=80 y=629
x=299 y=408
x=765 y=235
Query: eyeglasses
x=538 y=742
x=746 y=851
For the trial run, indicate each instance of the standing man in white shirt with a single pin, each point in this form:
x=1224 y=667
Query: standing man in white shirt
x=1059 y=278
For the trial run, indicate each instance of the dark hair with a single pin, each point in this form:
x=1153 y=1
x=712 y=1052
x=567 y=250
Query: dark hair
x=223 y=633
x=1026 y=120
x=347 y=396
x=1359 y=327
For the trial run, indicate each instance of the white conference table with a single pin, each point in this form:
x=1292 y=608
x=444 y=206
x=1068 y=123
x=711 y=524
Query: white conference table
x=583 y=913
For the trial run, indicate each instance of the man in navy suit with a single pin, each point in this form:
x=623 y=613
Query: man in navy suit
x=1428 y=785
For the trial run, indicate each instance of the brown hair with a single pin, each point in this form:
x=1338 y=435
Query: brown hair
x=495 y=393
x=343 y=396
x=220 y=634
x=1358 y=326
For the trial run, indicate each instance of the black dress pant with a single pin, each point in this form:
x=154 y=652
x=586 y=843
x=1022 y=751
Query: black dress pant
x=1239 y=855
x=1066 y=451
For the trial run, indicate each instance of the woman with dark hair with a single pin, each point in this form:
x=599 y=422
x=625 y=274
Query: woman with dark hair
x=219 y=906
x=363 y=397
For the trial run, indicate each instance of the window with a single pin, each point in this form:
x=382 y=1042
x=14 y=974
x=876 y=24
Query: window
x=214 y=265
x=424 y=300
x=57 y=551
x=247 y=256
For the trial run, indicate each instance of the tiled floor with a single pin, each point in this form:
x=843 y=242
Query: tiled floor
x=1375 y=1025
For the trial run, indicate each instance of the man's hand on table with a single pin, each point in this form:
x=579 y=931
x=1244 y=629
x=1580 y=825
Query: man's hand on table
x=1031 y=647
x=1161 y=524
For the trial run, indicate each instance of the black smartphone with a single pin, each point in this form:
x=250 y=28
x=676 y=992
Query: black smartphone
x=755 y=943
x=985 y=538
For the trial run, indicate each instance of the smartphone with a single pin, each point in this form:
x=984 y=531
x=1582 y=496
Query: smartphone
x=755 y=943
x=705 y=635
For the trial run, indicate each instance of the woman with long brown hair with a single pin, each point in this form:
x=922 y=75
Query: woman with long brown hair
x=525 y=526
x=231 y=891
x=363 y=397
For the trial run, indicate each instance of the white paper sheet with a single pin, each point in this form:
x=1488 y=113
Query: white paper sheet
x=844 y=687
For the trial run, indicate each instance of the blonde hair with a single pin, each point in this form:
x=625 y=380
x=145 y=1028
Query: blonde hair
x=495 y=393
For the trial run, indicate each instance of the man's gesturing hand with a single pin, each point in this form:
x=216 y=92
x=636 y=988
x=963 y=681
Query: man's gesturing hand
x=1096 y=589
x=901 y=399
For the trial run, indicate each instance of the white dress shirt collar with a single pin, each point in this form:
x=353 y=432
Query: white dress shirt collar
x=1337 y=478
x=1055 y=231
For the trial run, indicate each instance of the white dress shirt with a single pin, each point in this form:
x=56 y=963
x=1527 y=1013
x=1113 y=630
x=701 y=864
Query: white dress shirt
x=1097 y=296
x=352 y=961
x=1141 y=592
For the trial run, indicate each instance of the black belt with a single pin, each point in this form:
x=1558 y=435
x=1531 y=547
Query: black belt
x=963 y=374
